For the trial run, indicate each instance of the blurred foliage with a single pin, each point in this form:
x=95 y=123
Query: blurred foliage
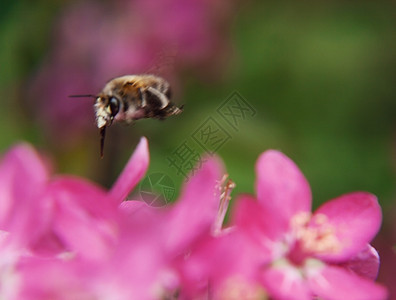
x=320 y=76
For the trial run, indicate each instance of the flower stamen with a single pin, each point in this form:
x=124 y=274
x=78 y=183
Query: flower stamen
x=225 y=188
x=315 y=234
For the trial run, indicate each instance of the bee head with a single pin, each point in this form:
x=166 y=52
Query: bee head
x=106 y=108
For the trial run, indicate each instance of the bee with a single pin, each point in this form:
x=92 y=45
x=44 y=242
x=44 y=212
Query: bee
x=129 y=98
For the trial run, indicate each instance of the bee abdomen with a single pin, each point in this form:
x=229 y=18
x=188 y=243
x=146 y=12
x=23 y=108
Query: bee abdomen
x=162 y=114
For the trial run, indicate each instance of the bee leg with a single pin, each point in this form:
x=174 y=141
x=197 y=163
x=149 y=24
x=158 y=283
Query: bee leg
x=160 y=96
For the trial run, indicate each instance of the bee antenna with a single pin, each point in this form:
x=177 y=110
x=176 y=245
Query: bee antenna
x=102 y=139
x=83 y=96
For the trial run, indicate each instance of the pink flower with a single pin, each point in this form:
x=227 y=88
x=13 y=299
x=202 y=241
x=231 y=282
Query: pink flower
x=154 y=242
x=53 y=218
x=20 y=185
x=275 y=247
x=90 y=243
x=307 y=251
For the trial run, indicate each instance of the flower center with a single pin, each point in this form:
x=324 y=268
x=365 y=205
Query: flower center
x=313 y=235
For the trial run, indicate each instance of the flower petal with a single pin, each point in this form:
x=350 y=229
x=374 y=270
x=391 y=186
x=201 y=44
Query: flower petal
x=132 y=207
x=61 y=278
x=355 y=219
x=286 y=283
x=83 y=218
x=220 y=261
x=262 y=228
x=132 y=173
x=195 y=212
x=334 y=283
x=23 y=176
x=366 y=263
x=280 y=186
x=140 y=212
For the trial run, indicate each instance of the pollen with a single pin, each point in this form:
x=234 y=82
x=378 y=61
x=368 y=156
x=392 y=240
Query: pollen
x=315 y=234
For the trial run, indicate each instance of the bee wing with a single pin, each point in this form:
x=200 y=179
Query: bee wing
x=155 y=95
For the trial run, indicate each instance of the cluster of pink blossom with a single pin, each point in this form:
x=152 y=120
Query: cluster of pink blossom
x=63 y=237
